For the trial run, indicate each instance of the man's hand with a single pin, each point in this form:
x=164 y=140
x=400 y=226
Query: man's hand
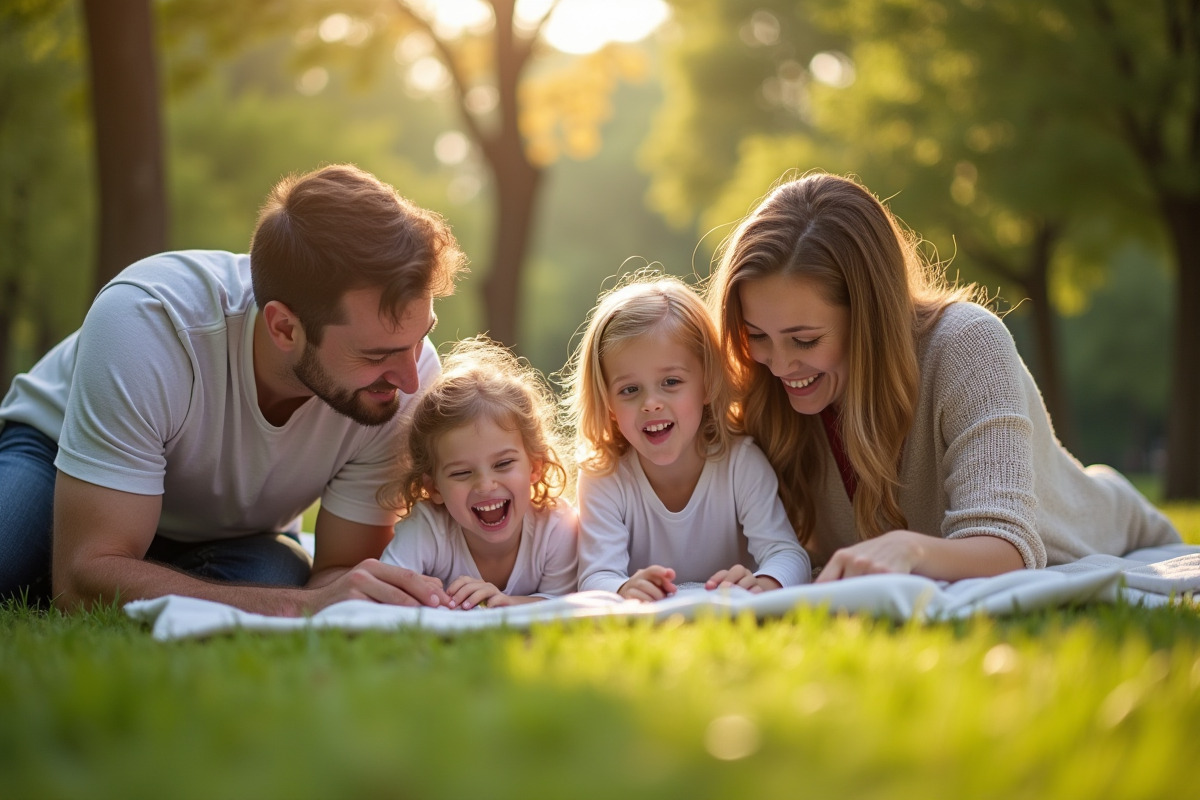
x=381 y=583
x=467 y=592
x=341 y=543
x=649 y=584
x=737 y=575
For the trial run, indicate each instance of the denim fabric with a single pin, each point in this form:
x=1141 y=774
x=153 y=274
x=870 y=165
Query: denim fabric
x=27 y=475
x=267 y=559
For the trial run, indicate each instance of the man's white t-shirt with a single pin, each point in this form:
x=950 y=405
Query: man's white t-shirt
x=430 y=542
x=734 y=508
x=155 y=395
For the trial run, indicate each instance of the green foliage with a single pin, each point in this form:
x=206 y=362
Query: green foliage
x=45 y=203
x=927 y=105
x=1117 y=365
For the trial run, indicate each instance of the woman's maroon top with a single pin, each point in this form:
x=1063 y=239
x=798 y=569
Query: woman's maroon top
x=833 y=431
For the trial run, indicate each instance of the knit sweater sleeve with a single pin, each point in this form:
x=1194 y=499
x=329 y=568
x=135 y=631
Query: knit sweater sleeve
x=984 y=409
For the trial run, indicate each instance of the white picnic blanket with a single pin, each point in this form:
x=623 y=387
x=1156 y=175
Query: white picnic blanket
x=1153 y=576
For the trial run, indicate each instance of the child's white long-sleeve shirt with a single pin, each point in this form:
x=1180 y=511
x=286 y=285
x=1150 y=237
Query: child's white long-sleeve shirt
x=430 y=542
x=735 y=507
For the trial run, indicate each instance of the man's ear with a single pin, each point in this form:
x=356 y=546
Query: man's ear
x=431 y=487
x=283 y=326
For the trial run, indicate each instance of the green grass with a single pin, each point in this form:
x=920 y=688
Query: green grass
x=1096 y=702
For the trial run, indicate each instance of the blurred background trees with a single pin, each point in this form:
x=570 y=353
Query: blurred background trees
x=1029 y=143
x=1045 y=149
x=127 y=125
x=519 y=102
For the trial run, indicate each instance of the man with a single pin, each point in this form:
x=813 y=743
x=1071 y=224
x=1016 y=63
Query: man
x=209 y=398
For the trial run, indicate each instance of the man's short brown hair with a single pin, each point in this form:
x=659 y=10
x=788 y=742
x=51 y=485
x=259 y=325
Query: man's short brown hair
x=340 y=228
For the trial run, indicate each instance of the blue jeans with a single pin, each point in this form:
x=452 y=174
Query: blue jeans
x=27 y=475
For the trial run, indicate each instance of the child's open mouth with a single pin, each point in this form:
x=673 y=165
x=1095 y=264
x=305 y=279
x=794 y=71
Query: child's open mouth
x=658 y=431
x=492 y=513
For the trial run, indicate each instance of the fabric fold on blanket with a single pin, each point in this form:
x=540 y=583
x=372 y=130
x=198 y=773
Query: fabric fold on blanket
x=1150 y=577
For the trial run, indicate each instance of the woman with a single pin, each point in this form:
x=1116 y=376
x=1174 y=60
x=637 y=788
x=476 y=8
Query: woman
x=907 y=434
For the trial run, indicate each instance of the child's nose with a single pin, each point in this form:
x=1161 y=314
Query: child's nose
x=652 y=402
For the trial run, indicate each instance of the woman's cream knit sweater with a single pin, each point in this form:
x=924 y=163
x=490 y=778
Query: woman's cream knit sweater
x=982 y=460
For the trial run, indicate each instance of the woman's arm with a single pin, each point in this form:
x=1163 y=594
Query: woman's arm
x=985 y=406
x=930 y=556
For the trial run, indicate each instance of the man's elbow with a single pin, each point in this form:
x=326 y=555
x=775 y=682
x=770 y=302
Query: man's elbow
x=75 y=581
x=66 y=584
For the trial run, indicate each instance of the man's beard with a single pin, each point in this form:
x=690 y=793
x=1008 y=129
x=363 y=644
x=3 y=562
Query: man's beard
x=347 y=402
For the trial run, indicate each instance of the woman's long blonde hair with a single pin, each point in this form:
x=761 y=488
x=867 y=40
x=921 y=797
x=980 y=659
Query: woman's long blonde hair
x=831 y=231
x=479 y=380
x=646 y=303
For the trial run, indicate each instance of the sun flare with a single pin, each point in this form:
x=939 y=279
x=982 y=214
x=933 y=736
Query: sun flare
x=576 y=26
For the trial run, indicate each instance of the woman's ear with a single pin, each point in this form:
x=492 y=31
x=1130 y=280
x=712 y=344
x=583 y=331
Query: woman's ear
x=431 y=488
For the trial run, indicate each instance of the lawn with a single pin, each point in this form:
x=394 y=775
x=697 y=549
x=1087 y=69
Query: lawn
x=1094 y=702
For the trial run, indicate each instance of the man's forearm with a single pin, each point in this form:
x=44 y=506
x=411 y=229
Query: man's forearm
x=325 y=577
x=119 y=577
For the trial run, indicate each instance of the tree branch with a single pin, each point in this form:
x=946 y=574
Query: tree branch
x=527 y=45
x=447 y=55
x=1044 y=240
x=993 y=263
x=1192 y=25
x=1147 y=143
x=1175 y=37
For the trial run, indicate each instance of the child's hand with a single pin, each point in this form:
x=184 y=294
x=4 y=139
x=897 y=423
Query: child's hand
x=649 y=584
x=737 y=575
x=434 y=583
x=467 y=592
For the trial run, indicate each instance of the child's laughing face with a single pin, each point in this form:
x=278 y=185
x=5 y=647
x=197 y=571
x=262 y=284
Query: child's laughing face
x=656 y=395
x=483 y=477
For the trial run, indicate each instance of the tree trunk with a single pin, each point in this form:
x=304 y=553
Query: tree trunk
x=516 y=186
x=1045 y=330
x=1182 y=215
x=516 y=189
x=129 y=151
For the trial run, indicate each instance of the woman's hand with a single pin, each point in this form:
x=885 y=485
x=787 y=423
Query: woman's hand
x=933 y=557
x=737 y=575
x=895 y=552
x=467 y=592
x=649 y=584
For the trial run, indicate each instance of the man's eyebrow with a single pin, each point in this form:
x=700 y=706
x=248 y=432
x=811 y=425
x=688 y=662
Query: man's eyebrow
x=387 y=351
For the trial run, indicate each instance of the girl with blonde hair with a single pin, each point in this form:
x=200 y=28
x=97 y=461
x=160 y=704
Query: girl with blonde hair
x=667 y=493
x=480 y=488
x=906 y=432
